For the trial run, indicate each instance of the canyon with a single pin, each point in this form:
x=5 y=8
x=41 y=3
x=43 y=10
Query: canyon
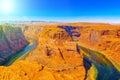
x=63 y=51
x=12 y=40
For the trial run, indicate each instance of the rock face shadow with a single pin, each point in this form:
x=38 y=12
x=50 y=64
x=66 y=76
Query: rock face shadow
x=12 y=40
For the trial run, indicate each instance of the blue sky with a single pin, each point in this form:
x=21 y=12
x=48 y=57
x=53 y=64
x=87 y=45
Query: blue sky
x=65 y=9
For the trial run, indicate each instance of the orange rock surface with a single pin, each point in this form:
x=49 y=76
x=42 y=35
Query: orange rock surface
x=56 y=51
x=23 y=70
x=57 y=56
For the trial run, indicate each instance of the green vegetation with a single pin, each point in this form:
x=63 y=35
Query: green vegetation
x=1 y=32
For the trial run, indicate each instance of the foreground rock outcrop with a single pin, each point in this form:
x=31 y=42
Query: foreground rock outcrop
x=12 y=40
x=24 y=70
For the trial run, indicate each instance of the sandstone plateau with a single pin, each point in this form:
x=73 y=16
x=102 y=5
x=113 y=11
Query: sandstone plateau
x=66 y=51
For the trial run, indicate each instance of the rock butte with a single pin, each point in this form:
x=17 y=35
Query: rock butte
x=58 y=56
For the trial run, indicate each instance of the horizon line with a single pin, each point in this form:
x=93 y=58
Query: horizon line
x=63 y=19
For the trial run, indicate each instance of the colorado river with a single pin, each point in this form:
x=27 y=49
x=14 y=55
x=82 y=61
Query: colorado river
x=105 y=69
x=26 y=50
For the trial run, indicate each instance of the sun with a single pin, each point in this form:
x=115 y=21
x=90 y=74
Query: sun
x=6 y=6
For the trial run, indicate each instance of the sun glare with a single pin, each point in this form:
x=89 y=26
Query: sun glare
x=6 y=6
